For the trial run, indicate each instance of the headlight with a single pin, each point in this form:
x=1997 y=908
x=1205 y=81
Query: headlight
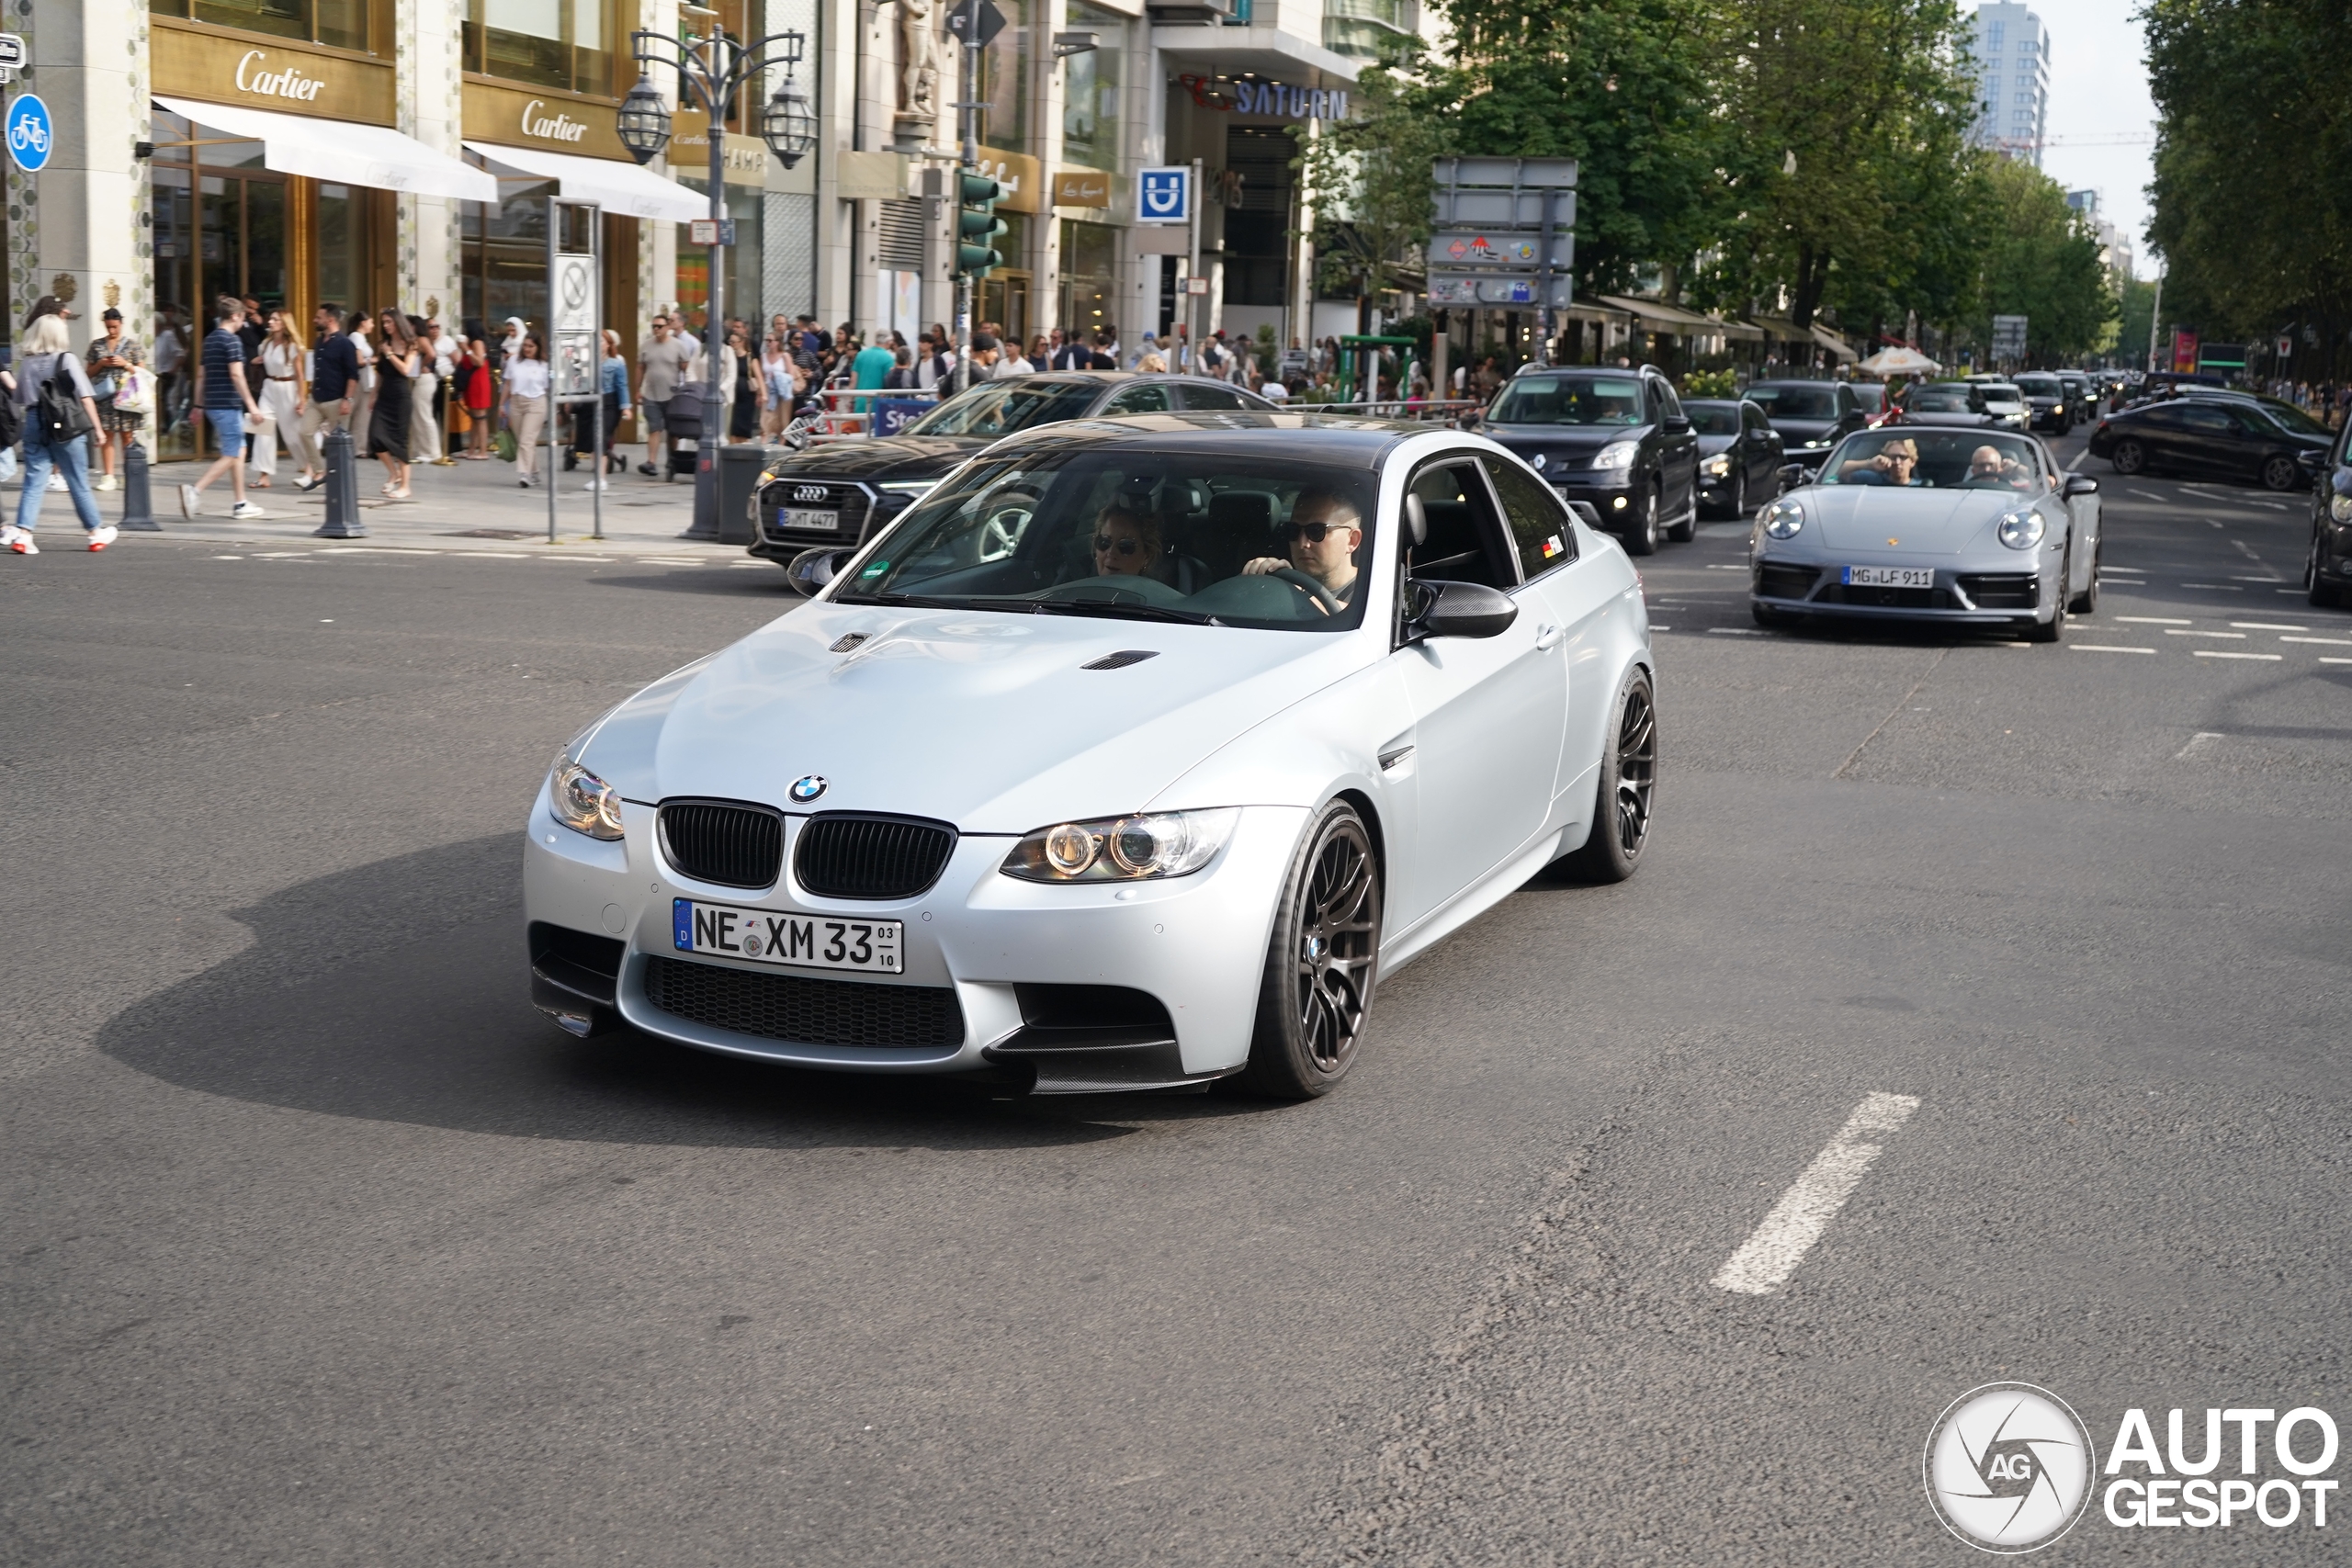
x=2021 y=530
x=914 y=489
x=1782 y=519
x=1617 y=455
x=1123 y=849
x=584 y=803
x=2340 y=508
x=1817 y=445
x=1719 y=465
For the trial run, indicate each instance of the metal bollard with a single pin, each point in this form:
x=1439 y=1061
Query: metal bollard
x=343 y=491
x=137 y=509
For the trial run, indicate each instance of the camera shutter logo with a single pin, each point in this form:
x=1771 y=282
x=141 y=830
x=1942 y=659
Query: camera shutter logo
x=2009 y=1466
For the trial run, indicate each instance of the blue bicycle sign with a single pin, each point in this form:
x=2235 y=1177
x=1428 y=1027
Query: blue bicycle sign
x=31 y=133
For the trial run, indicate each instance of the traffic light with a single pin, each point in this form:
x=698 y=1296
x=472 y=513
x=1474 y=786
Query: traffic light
x=977 y=225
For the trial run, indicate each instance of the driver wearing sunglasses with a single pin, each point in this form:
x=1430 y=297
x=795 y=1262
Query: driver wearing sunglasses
x=1126 y=543
x=1321 y=536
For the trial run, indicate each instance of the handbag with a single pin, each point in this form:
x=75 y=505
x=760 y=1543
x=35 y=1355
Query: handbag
x=505 y=444
x=135 y=393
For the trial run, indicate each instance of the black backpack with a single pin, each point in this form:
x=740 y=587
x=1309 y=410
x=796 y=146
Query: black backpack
x=59 y=413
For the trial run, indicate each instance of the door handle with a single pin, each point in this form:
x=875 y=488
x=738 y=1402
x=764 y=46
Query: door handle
x=1547 y=638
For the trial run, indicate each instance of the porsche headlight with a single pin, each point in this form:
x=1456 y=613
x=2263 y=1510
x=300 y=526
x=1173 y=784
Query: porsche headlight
x=584 y=803
x=1719 y=465
x=1149 y=845
x=1782 y=519
x=2021 y=530
x=1617 y=455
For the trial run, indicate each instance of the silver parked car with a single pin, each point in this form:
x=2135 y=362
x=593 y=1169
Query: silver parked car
x=1977 y=528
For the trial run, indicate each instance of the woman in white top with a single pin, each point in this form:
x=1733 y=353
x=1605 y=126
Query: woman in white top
x=283 y=390
x=423 y=421
x=363 y=395
x=526 y=408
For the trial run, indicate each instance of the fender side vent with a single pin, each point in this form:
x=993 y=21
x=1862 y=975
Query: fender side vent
x=1122 y=659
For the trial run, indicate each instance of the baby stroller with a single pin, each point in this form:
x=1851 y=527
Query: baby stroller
x=682 y=428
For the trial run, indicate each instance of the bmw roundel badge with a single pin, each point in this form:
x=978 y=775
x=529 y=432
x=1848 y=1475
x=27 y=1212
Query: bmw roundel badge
x=805 y=790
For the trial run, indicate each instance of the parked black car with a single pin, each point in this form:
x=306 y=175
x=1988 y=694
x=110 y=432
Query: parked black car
x=839 y=493
x=2208 y=436
x=1739 y=454
x=1811 y=416
x=1617 y=440
x=2046 y=403
x=2327 y=571
x=1946 y=403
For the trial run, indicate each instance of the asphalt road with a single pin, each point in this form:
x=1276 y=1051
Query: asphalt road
x=322 y=1246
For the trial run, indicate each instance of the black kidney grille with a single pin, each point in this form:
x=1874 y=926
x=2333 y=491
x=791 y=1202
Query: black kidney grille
x=715 y=841
x=804 y=1011
x=844 y=856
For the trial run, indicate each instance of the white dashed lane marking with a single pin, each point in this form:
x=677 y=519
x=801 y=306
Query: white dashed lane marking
x=2105 y=648
x=2219 y=653
x=2324 y=641
x=1772 y=1251
x=2234 y=637
x=2267 y=626
x=2156 y=620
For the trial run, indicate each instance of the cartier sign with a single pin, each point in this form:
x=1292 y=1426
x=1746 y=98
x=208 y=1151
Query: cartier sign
x=254 y=74
x=550 y=125
x=218 y=67
x=537 y=116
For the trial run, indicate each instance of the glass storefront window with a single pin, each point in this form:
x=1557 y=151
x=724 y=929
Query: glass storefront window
x=340 y=24
x=1090 y=89
x=1089 y=252
x=570 y=45
x=221 y=227
x=745 y=207
x=1004 y=85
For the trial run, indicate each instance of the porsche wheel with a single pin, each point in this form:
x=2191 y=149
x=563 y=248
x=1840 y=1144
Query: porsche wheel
x=2086 y=602
x=1322 y=961
x=1627 y=790
x=2055 y=629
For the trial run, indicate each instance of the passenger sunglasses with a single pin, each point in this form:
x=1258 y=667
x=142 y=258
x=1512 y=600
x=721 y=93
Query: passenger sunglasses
x=1105 y=545
x=1313 y=532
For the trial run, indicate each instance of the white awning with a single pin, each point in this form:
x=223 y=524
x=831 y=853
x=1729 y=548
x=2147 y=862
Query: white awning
x=346 y=153
x=614 y=185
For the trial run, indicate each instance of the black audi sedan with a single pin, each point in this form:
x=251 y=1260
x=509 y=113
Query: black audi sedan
x=840 y=492
x=1811 y=416
x=2208 y=435
x=2327 y=571
x=1617 y=440
x=1739 y=454
x=2047 y=406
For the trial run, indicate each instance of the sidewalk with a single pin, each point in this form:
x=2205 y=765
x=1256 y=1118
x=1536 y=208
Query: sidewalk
x=474 y=505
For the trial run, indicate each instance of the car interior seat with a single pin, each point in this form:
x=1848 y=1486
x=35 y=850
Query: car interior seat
x=1239 y=528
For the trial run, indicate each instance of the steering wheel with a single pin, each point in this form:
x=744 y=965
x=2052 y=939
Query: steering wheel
x=1307 y=585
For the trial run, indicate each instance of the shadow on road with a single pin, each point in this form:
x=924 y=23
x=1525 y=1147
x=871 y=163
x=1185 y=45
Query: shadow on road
x=702 y=583
x=396 y=992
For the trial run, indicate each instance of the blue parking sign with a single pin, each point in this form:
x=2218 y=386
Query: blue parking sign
x=31 y=133
x=1164 y=196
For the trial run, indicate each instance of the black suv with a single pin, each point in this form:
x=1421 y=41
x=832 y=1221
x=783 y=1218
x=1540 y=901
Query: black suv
x=840 y=493
x=2047 y=407
x=1812 y=416
x=1617 y=440
x=2327 y=571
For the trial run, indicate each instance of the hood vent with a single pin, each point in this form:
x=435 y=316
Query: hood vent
x=847 y=642
x=840 y=855
x=1122 y=659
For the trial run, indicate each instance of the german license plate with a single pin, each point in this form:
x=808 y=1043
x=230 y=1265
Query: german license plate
x=810 y=518
x=799 y=941
x=1889 y=577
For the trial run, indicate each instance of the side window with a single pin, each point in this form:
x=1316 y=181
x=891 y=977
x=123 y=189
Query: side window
x=1207 y=395
x=1466 y=540
x=1540 y=529
x=2206 y=422
x=1663 y=396
x=1151 y=397
x=1753 y=418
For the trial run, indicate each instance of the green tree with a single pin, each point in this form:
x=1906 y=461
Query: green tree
x=1368 y=183
x=2043 y=264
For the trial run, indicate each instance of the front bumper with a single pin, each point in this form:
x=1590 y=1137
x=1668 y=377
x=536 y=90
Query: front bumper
x=2024 y=594
x=993 y=944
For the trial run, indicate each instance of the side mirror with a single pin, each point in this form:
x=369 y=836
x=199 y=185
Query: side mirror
x=1417 y=521
x=811 y=569
x=1455 y=609
x=1794 y=474
x=1677 y=425
x=2080 y=484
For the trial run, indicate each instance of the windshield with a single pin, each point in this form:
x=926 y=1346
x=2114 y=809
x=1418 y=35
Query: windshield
x=2293 y=418
x=1136 y=535
x=2038 y=386
x=1937 y=459
x=1998 y=395
x=1871 y=395
x=1939 y=399
x=1000 y=407
x=1563 y=399
x=1713 y=419
x=1795 y=402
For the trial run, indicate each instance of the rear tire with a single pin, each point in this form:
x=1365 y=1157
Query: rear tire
x=1321 y=964
x=2128 y=457
x=2280 y=472
x=1641 y=539
x=1626 y=793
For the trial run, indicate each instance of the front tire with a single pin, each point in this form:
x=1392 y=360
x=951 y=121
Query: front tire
x=2086 y=602
x=2280 y=472
x=1321 y=964
x=1642 y=538
x=2130 y=457
x=2054 y=630
x=2315 y=588
x=1627 y=790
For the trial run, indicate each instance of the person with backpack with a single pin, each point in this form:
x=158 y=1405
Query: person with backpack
x=58 y=412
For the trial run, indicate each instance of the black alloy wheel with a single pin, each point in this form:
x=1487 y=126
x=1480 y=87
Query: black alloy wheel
x=1322 y=962
x=1642 y=539
x=2129 y=456
x=2281 y=472
x=1627 y=790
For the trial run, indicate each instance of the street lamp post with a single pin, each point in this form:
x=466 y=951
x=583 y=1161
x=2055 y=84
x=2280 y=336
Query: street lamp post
x=714 y=69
